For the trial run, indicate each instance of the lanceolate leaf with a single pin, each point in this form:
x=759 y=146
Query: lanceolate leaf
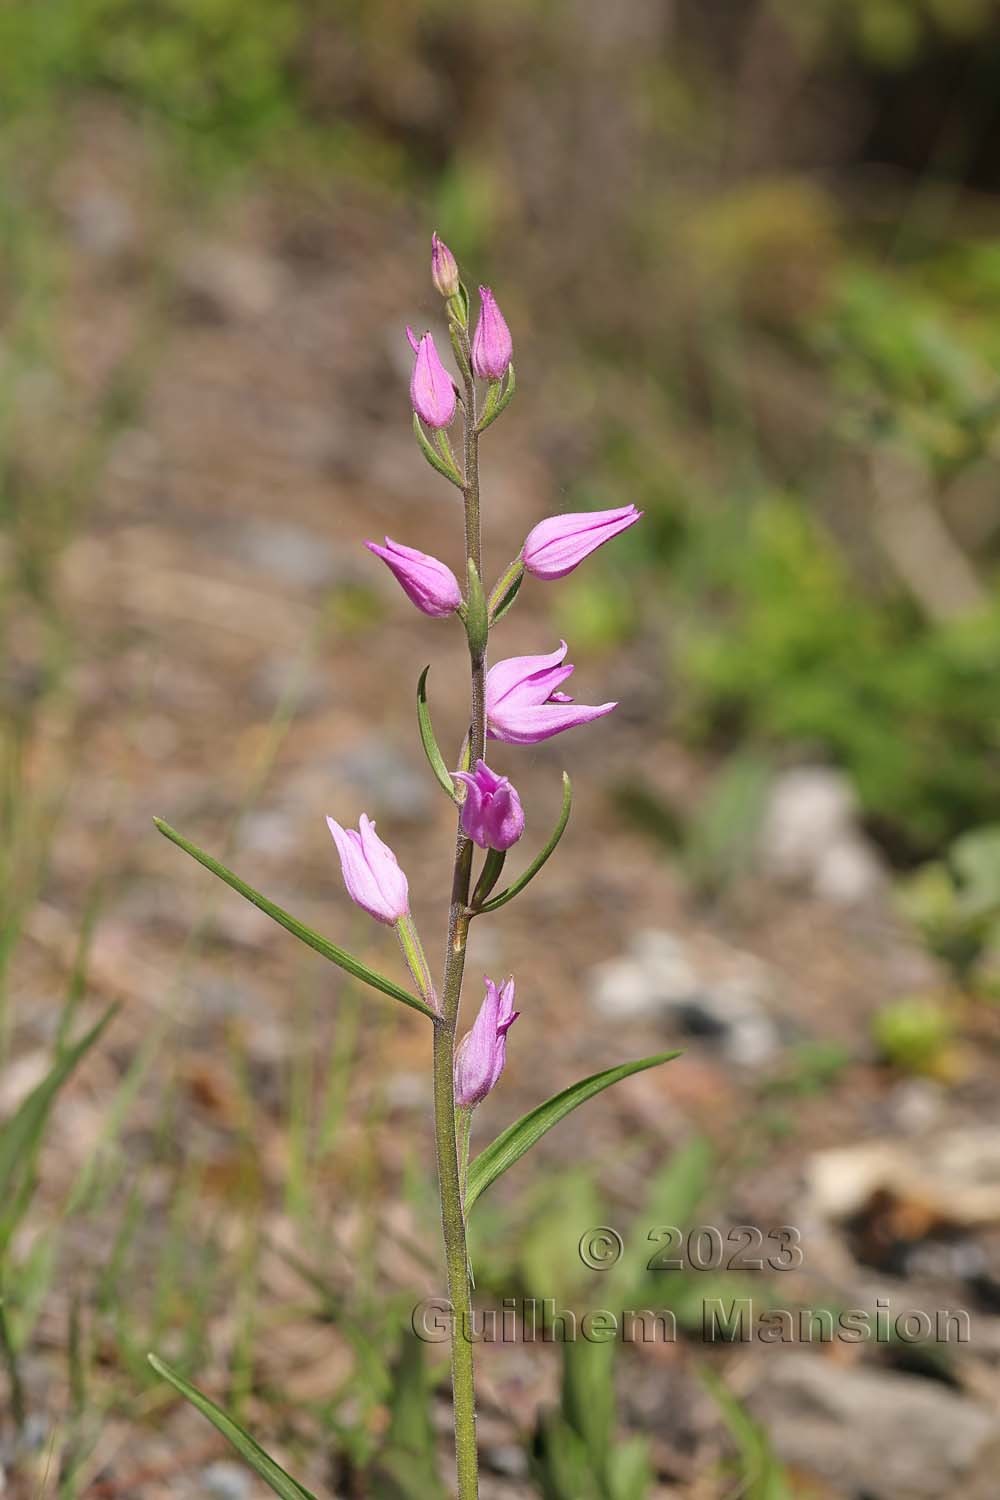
x=497 y=401
x=506 y=599
x=519 y=1138
x=434 y=757
x=247 y=1447
x=297 y=929
x=510 y=891
x=433 y=457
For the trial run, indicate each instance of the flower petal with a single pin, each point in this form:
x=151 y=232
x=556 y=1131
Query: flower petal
x=527 y=726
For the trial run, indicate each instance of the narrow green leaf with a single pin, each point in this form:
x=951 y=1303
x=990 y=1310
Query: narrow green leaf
x=497 y=403
x=489 y=875
x=506 y=593
x=512 y=1143
x=515 y=889
x=273 y=1475
x=22 y=1133
x=489 y=410
x=434 y=757
x=432 y=456
x=297 y=929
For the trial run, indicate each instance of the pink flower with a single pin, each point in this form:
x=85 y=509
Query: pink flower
x=555 y=546
x=371 y=872
x=482 y=1052
x=444 y=268
x=431 y=585
x=432 y=390
x=524 y=704
x=492 y=815
x=492 y=347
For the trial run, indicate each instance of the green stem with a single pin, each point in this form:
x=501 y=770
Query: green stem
x=416 y=959
x=445 y=1132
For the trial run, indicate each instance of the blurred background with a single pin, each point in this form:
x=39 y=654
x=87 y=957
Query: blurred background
x=749 y=256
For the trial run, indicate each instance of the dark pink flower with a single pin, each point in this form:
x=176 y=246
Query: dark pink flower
x=432 y=391
x=524 y=704
x=430 y=584
x=371 y=871
x=444 y=268
x=492 y=347
x=492 y=815
x=482 y=1052
x=555 y=546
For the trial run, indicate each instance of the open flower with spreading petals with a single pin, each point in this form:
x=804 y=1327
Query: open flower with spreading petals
x=482 y=1052
x=524 y=704
x=492 y=815
x=432 y=390
x=492 y=346
x=430 y=584
x=371 y=871
x=555 y=546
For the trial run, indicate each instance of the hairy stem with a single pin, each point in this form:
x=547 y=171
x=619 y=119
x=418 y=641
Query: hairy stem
x=449 y=1168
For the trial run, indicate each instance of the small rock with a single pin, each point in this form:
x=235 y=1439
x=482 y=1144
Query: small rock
x=955 y=1174
x=226 y=1481
x=885 y=1436
x=657 y=978
x=620 y=991
x=810 y=836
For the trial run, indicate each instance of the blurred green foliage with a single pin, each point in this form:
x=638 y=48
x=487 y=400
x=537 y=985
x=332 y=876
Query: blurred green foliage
x=955 y=902
x=219 y=66
x=915 y=1035
x=790 y=650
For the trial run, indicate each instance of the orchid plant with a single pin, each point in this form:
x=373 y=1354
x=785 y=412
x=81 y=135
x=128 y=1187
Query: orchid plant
x=517 y=701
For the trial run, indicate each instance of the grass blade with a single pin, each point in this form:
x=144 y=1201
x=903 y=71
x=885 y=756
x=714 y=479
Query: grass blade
x=298 y=929
x=512 y=1143
x=510 y=891
x=20 y=1136
x=247 y=1447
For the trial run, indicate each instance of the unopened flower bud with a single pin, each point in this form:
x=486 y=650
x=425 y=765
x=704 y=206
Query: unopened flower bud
x=432 y=390
x=482 y=1052
x=492 y=347
x=555 y=546
x=430 y=584
x=492 y=815
x=371 y=872
x=444 y=268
